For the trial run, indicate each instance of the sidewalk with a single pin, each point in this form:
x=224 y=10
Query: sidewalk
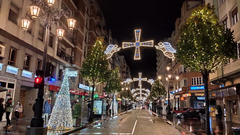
x=196 y=127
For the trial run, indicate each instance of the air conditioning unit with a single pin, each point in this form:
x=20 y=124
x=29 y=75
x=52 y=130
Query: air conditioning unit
x=2 y=50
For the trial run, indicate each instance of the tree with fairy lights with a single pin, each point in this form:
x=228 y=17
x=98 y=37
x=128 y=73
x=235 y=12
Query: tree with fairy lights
x=157 y=91
x=61 y=117
x=113 y=83
x=95 y=68
x=205 y=45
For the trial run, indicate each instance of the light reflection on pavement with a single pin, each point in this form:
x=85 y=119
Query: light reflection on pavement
x=198 y=128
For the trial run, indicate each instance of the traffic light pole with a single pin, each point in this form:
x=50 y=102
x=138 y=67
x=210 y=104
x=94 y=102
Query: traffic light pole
x=37 y=120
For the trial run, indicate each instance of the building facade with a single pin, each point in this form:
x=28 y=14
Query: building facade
x=228 y=76
x=22 y=51
x=188 y=90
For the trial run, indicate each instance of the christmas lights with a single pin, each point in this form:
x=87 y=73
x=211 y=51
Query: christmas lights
x=151 y=81
x=137 y=44
x=128 y=81
x=61 y=117
x=140 y=79
x=110 y=50
x=167 y=49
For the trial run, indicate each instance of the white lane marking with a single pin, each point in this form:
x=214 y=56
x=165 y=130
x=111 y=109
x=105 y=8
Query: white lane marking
x=134 y=127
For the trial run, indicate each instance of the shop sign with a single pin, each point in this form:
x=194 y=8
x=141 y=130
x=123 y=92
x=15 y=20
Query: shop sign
x=72 y=73
x=199 y=94
x=54 y=88
x=201 y=98
x=85 y=94
x=197 y=88
x=84 y=87
x=1 y=64
x=26 y=74
x=12 y=70
x=186 y=95
x=101 y=97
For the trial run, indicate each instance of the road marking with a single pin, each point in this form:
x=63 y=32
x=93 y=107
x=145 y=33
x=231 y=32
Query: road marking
x=134 y=127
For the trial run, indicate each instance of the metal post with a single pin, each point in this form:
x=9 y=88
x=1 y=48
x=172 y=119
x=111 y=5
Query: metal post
x=37 y=120
x=168 y=112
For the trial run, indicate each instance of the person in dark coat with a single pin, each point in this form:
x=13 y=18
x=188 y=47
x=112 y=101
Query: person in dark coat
x=219 y=109
x=1 y=108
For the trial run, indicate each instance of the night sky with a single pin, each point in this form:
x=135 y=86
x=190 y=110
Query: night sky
x=156 y=18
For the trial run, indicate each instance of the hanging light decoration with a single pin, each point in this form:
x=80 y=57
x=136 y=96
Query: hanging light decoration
x=25 y=24
x=50 y=2
x=71 y=23
x=60 y=33
x=34 y=11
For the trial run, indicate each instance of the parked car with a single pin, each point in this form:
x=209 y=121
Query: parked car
x=190 y=113
x=178 y=113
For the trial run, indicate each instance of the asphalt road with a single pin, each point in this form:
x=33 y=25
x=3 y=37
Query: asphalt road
x=136 y=122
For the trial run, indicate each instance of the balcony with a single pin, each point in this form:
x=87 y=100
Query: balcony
x=64 y=56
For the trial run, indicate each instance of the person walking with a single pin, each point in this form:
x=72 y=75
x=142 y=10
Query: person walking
x=8 y=109
x=1 y=108
x=18 y=109
x=219 y=110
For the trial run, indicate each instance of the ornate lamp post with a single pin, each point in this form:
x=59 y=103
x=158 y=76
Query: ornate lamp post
x=168 y=78
x=49 y=17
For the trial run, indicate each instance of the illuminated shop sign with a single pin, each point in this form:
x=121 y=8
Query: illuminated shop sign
x=197 y=88
x=84 y=87
x=1 y=64
x=26 y=74
x=201 y=98
x=12 y=70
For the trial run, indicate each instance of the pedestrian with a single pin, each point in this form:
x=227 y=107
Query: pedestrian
x=8 y=109
x=1 y=108
x=18 y=109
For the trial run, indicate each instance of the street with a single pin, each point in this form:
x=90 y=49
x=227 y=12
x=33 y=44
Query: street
x=136 y=122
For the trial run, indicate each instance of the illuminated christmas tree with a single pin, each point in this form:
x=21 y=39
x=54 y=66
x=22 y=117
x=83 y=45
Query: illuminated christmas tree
x=61 y=118
x=205 y=45
x=95 y=68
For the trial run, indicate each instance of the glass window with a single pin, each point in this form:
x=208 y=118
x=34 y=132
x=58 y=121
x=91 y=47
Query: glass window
x=235 y=16
x=39 y=64
x=41 y=33
x=3 y=84
x=26 y=64
x=13 y=13
x=12 y=56
x=50 y=41
x=60 y=74
x=225 y=22
x=10 y=85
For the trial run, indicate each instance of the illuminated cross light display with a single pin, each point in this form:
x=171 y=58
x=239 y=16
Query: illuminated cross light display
x=110 y=50
x=137 y=44
x=140 y=79
x=167 y=49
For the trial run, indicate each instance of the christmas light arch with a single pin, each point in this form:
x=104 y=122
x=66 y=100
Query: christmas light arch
x=165 y=47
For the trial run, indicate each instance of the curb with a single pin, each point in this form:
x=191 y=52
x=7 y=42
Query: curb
x=179 y=128
x=93 y=123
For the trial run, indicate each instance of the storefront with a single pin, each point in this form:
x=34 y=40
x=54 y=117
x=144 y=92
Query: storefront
x=228 y=98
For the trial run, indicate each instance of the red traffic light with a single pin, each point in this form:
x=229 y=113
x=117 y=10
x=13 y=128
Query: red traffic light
x=38 y=80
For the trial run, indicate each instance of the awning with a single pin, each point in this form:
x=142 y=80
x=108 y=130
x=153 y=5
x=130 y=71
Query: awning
x=2 y=89
x=225 y=91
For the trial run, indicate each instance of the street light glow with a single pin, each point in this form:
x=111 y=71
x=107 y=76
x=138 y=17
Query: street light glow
x=159 y=77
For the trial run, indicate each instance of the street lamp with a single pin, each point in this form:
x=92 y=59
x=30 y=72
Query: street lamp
x=168 y=68
x=60 y=33
x=25 y=24
x=34 y=11
x=50 y=16
x=159 y=77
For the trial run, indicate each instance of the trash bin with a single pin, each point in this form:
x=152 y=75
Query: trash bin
x=236 y=130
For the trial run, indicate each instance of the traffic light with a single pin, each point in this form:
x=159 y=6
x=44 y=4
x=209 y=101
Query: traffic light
x=39 y=80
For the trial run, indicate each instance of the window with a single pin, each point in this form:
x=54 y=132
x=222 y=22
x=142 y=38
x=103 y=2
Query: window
x=29 y=30
x=197 y=81
x=235 y=16
x=41 y=33
x=13 y=13
x=60 y=74
x=222 y=1
x=39 y=64
x=26 y=64
x=12 y=56
x=182 y=69
x=225 y=22
x=50 y=41
x=238 y=50
x=183 y=83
